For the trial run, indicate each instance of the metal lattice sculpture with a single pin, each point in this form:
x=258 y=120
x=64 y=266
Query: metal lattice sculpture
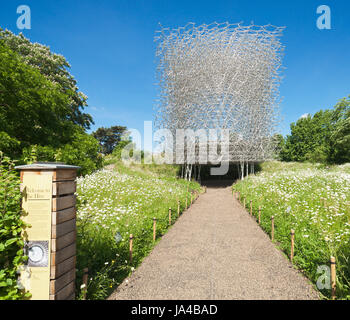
x=221 y=76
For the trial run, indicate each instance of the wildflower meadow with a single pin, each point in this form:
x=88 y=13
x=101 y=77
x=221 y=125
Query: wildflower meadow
x=314 y=200
x=112 y=205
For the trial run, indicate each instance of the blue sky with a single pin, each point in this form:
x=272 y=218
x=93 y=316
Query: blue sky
x=110 y=45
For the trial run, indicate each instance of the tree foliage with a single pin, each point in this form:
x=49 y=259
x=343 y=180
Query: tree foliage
x=53 y=67
x=41 y=108
x=82 y=151
x=340 y=136
x=33 y=110
x=109 y=137
x=323 y=137
x=11 y=225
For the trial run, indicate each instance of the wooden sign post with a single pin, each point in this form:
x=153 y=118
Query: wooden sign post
x=130 y=247
x=272 y=228
x=154 y=229
x=48 y=201
x=292 y=234
x=333 y=277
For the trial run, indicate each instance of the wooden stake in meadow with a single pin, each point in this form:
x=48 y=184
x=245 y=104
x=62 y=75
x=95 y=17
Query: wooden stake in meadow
x=333 y=277
x=130 y=248
x=154 y=229
x=272 y=228
x=292 y=233
x=251 y=207
x=259 y=214
x=178 y=208
x=85 y=281
x=169 y=216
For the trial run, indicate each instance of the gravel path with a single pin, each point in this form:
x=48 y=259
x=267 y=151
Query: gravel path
x=215 y=250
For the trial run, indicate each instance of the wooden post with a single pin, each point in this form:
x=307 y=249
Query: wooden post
x=251 y=207
x=154 y=228
x=130 y=248
x=259 y=214
x=169 y=216
x=292 y=245
x=178 y=208
x=186 y=201
x=85 y=281
x=333 y=277
x=48 y=198
x=272 y=228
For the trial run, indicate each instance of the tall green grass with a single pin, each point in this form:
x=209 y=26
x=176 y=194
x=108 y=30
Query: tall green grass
x=293 y=193
x=114 y=203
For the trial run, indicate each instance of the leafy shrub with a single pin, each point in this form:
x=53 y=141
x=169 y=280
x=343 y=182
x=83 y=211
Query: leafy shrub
x=11 y=226
x=82 y=151
x=8 y=144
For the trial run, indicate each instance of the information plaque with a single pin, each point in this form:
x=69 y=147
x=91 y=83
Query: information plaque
x=37 y=203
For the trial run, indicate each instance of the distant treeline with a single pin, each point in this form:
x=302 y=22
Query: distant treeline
x=323 y=137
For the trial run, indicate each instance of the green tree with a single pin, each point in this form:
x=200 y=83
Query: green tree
x=55 y=69
x=33 y=110
x=109 y=137
x=340 y=136
x=36 y=117
x=82 y=151
x=324 y=137
x=309 y=138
